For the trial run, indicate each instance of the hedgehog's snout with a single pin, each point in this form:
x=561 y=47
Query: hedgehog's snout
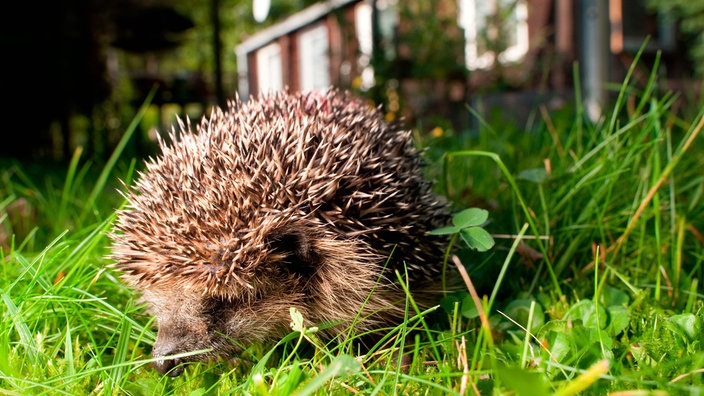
x=170 y=367
x=164 y=364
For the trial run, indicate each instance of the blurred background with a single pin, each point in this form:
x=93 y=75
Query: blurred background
x=76 y=71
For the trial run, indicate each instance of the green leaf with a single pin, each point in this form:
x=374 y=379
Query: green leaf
x=444 y=231
x=448 y=302
x=470 y=217
x=612 y=296
x=477 y=238
x=296 y=320
x=585 y=311
x=519 y=311
x=591 y=338
x=469 y=308
x=523 y=382
x=560 y=343
x=619 y=319
x=689 y=323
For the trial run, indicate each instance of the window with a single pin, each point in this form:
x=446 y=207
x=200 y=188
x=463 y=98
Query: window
x=633 y=24
x=363 y=28
x=314 y=64
x=494 y=30
x=269 y=71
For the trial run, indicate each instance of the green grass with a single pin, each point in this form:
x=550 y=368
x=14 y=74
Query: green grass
x=591 y=287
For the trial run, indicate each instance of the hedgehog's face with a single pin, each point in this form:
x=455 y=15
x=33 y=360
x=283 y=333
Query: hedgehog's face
x=204 y=328
x=326 y=279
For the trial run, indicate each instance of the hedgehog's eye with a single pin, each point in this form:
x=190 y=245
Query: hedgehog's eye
x=214 y=307
x=294 y=250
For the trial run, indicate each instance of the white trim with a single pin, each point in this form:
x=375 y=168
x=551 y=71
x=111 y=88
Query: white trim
x=363 y=30
x=269 y=68
x=314 y=58
x=294 y=22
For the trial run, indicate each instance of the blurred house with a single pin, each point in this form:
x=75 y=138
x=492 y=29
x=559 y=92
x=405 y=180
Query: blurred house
x=437 y=56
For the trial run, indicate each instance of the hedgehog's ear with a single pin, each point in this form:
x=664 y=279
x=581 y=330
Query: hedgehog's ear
x=295 y=248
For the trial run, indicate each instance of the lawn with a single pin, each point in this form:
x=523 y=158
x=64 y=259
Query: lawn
x=589 y=283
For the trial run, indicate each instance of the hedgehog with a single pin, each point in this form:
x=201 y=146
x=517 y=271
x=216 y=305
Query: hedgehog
x=310 y=201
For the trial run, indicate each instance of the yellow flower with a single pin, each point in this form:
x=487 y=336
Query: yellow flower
x=390 y=116
x=437 y=132
x=357 y=82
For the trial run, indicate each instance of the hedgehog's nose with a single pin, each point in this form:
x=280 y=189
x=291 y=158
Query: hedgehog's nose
x=163 y=348
x=170 y=367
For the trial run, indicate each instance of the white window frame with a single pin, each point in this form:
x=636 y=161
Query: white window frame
x=363 y=29
x=314 y=58
x=269 y=68
x=472 y=22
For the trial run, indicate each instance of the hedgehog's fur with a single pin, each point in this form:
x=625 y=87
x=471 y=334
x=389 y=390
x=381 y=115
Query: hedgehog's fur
x=287 y=200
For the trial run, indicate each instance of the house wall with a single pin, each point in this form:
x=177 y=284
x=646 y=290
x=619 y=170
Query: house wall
x=340 y=26
x=562 y=21
x=251 y=78
x=289 y=60
x=546 y=69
